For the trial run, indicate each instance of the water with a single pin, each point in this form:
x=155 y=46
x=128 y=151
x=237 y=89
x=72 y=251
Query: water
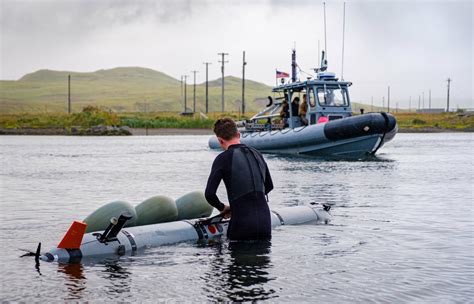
x=403 y=227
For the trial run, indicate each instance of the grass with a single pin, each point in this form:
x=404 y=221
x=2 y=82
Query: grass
x=90 y=116
x=444 y=121
x=93 y=116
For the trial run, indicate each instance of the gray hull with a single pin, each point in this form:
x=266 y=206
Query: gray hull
x=355 y=136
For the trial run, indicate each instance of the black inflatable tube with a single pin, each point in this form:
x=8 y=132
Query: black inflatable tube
x=361 y=125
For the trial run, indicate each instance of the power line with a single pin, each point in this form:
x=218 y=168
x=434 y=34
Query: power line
x=69 y=94
x=207 y=86
x=222 y=70
x=181 y=90
x=449 y=86
x=185 y=95
x=244 y=63
x=429 y=102
x=388 y=99
x=194 y=91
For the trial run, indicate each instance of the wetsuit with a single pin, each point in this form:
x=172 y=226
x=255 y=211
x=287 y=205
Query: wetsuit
x=248 y=181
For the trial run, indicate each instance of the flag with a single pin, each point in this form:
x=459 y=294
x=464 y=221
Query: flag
x=281 y=74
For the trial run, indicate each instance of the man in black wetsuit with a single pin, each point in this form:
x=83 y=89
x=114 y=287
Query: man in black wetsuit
x=247 y=180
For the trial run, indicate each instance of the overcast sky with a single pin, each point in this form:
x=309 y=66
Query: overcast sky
x=413 y=46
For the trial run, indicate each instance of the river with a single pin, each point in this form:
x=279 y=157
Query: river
x=402 y=230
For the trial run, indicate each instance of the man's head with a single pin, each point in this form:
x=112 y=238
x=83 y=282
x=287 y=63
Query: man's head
x=226 y=132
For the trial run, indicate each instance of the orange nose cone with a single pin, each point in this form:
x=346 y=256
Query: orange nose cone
x=73 y=237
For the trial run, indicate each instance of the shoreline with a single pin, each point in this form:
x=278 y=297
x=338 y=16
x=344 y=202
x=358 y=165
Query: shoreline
x=184 y=131
x=134 y=131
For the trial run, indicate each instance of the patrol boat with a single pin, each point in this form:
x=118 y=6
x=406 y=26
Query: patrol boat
x=329 y=128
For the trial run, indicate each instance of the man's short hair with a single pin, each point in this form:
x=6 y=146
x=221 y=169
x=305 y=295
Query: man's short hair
x=225 y=128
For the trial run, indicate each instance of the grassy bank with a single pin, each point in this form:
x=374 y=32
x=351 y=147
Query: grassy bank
x=433 y=122
x=93 y=116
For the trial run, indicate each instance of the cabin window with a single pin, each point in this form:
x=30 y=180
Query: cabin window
x=333 y=97
x=312 y=101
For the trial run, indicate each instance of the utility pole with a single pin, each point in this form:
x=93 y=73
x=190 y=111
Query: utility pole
x=388 y=100
x=244 y=63
x=449 y=86
x=222 y=70
x=423 y=103
x=185 y=96
x=419 y=102
x=181 y=91
x=69 y=94
x=145 y=106
x=207 y=86
x=429 y=102
x=194 y=91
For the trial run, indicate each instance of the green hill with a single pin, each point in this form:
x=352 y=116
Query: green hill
x=124 y=89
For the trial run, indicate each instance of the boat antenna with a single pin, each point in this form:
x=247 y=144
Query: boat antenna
x=324 y=62
x=293 y=65
x=325 y=41
x=319 y=52
x=343 y=32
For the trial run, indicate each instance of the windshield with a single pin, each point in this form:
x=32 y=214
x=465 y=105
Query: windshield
x=332 y=97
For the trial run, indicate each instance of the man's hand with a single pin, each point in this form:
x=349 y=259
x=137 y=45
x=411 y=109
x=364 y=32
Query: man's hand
x=226 y=212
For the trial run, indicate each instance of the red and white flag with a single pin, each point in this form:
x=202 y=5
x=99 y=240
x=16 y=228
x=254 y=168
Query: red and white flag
x=282 y=74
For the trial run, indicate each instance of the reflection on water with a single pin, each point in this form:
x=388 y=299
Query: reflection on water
x=75 y=280
x=239 y=272
x=117 y=277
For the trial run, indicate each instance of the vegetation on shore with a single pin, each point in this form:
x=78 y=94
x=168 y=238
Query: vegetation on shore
x=94 y=116
x=435 y=122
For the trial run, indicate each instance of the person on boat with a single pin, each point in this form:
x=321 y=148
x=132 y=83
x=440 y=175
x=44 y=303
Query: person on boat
x=247 y=180
x=330 y=98
x=285 y=112
x=294 y=106
x=303 y=110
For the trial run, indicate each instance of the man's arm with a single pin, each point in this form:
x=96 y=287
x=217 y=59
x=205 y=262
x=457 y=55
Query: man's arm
x=213 y=182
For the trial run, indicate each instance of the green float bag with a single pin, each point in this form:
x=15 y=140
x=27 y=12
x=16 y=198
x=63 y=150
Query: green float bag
x=100 y=219
x=193 y=205
x=156 y=209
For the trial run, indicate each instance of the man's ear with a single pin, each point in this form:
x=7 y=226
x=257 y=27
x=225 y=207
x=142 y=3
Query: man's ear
x=221 y=141
x=238 y=134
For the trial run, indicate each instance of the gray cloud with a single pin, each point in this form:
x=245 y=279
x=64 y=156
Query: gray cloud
x=412 y=46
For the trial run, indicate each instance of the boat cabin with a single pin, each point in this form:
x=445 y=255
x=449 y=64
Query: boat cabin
x=326 y=99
